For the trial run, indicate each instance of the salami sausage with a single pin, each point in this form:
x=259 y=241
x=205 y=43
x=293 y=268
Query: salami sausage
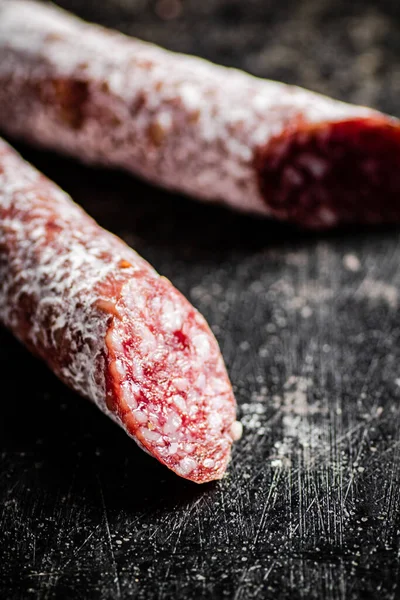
x=110 y=327
x=214 y=133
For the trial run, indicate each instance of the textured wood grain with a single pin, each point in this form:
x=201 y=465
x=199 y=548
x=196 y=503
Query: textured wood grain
x=310 y=331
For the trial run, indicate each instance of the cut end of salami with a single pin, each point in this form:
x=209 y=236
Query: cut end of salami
x=166 y=380
x=327 y=174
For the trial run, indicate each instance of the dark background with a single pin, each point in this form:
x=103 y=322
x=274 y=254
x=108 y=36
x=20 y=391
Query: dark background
x=308 y=325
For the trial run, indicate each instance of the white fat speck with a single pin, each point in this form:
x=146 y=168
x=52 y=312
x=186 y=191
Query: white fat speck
x=201 y=381
x=214 y=421
x=128 y=393
x=216 y=403
x=137 y=369
x=202 y=345
x=119 y=365
x=186 y=466
x=138 y=301
x=179 y=402
x=172 y=423
x=163 y=451
x=151 y=436
x=193 y=410
x=38 y=233
x=156 y=304
x=218 y=385
x=208 y=463
x=171 y=316
x=116 y=342
x=133 y=298
x=173 y=448
x=148 y=342
x=140 y=416
x=180 y=384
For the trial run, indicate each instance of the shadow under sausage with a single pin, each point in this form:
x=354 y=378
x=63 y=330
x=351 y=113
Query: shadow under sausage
x=60 y=440
x=157 y=223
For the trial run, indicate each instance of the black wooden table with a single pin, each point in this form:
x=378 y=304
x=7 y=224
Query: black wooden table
x=308 y=325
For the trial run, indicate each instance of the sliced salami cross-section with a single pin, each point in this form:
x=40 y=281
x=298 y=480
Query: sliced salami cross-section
x=214 y=133
x=110 y=327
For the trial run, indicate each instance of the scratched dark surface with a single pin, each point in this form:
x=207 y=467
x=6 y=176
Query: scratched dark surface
x=309 y=328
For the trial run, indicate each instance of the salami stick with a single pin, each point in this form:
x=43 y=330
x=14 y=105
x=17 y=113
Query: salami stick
x=215 y=133
x=110 y=327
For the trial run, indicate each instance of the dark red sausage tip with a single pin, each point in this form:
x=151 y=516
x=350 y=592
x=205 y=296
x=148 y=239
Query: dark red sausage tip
x=321 y=175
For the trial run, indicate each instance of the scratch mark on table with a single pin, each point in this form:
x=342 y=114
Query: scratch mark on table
x=109 y=540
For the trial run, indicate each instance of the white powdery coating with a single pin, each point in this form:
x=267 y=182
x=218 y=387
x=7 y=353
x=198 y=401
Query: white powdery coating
x=176 y=120
x=56 y=274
